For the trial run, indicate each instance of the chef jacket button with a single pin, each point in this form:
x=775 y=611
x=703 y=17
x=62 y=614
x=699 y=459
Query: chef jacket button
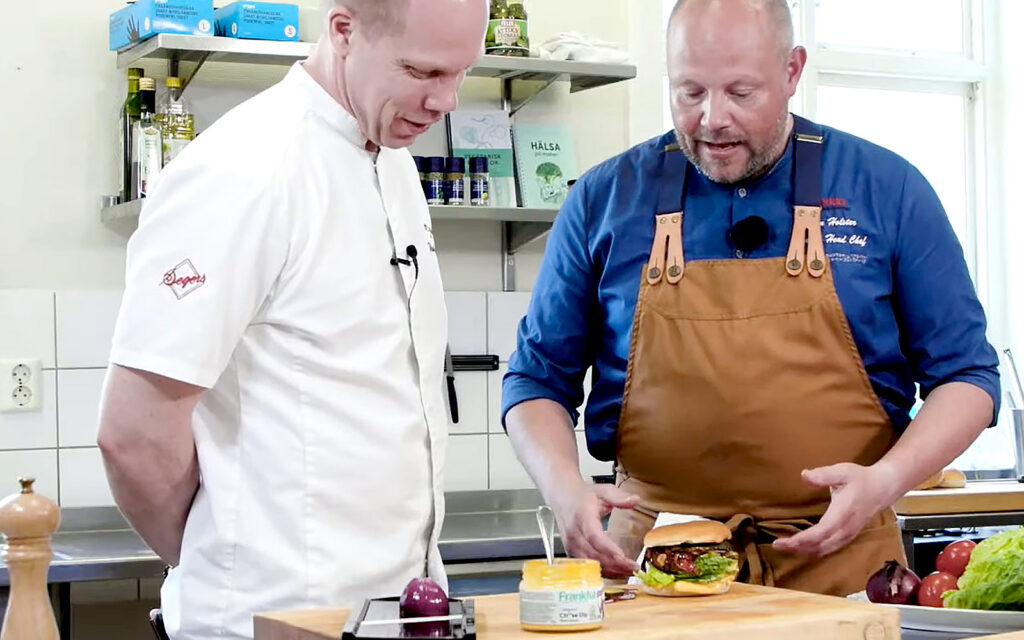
x=654 y=272
x=742 y=192
x=739 y=253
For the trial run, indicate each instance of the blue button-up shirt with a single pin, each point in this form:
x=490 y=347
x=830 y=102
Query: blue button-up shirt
x=899 y=271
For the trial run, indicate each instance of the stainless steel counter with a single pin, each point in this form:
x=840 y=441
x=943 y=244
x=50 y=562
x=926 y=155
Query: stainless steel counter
x=480 y=526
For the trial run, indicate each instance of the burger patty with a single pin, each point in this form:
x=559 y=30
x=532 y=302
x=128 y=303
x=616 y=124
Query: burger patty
x=683 y=558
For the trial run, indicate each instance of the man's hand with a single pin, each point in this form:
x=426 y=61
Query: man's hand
x=858 y=494
x=579 y=514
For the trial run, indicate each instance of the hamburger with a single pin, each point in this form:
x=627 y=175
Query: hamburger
x=688 y=559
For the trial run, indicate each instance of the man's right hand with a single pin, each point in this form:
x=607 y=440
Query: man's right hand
x=580 y=513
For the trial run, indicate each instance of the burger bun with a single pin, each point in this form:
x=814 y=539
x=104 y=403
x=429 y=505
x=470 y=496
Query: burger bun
x=684 y=588
x=696 y=532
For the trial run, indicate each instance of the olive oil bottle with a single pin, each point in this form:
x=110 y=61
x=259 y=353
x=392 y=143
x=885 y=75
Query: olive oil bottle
x=176 y=121
x=128 y=116
x=507 y=31
x=147 y=141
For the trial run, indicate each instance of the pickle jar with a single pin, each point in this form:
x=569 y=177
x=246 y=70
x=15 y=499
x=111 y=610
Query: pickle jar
x=567 y=595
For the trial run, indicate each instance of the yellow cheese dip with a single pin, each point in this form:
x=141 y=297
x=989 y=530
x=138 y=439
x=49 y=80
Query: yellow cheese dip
x=565 y=596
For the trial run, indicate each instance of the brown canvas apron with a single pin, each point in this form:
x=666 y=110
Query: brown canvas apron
x=741 y=374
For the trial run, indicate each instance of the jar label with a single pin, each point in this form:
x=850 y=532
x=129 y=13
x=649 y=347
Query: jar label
x=507 y=35
x=561 y=607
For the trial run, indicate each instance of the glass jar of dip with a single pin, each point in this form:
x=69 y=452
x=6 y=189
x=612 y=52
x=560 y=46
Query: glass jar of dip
x=567 y=595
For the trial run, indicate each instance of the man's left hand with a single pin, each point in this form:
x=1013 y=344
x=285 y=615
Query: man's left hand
x=858 y=494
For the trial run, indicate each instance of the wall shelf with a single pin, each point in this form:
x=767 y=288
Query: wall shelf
x=199 y=49
x=529 y=75
x=522 y=226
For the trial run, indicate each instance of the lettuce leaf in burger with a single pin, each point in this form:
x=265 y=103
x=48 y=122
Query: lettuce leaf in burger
x=688 y=559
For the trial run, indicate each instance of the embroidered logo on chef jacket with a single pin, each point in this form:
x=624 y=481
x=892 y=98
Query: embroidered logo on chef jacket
x=844 y=242
x=430 y=237
x=183 y=279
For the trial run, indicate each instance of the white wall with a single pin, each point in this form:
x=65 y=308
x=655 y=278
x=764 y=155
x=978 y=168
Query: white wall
x=59 y=139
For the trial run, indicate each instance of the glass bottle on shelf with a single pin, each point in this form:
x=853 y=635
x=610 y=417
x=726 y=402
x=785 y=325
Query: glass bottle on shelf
x=176 y=121
x=520 y=35
x=127 y=118
x=147 y=141
x=499 y=12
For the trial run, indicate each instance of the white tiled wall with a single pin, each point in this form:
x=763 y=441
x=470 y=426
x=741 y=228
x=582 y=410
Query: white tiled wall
x=70 y=333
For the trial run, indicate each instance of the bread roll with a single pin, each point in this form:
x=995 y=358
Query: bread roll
x=932 y=482
x=953 y=479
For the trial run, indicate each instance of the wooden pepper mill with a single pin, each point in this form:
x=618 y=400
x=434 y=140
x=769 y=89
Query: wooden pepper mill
x=27 y=520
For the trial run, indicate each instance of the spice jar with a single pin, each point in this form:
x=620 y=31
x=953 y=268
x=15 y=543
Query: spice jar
x=567 y=595
x=454 y=181
x=479 y=182
x=421 y=167
x=433 y=180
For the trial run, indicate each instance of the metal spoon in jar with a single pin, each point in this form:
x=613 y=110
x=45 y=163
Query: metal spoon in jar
x=546 y=522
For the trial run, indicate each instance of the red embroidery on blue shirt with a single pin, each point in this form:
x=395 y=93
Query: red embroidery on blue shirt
x=834 y=203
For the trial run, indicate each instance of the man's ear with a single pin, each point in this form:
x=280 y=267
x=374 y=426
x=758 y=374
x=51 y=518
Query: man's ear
x=340 y=24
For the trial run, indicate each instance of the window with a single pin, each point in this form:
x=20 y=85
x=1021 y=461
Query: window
x=876 y=71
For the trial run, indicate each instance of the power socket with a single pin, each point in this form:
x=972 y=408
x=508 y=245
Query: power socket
x=21 y=385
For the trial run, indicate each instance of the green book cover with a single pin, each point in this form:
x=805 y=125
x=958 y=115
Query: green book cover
x=546 y=162
x=486 y=133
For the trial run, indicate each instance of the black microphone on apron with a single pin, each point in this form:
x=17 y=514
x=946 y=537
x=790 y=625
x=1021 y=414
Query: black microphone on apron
x=749 y=234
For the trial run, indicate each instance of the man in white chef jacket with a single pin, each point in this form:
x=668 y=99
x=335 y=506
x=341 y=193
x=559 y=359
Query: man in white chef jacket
x=274 y=417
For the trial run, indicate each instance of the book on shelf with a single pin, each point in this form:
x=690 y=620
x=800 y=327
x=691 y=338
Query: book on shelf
x=545 y=163
x=489 y=134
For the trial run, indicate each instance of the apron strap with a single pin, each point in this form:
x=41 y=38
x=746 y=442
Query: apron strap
x=666 y=257
x=746 y=536
x=806 y=245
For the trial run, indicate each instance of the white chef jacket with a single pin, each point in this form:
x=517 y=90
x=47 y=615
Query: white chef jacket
x=261 y=270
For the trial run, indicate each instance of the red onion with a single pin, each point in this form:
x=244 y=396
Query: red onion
x=422 y=598
x=893 y=584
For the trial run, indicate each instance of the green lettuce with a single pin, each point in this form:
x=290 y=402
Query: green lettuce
x=711 y=564
x=710 y=567
x=994 y=578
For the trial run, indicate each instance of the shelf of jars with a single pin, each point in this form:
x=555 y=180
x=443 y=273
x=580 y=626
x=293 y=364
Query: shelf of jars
x=530 y=76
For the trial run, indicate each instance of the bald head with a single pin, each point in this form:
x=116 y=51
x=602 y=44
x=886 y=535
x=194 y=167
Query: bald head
x=732 y=69
x=378 y=17
x=775 y=13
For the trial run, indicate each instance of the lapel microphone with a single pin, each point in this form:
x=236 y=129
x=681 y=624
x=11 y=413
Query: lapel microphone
x=749 y=234
x=412 y=253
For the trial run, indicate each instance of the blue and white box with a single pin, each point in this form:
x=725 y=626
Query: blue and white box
x=258 y=21
x=145 y=18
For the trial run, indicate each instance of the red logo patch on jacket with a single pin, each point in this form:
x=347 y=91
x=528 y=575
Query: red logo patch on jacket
x=183 y=279
x=834 y=203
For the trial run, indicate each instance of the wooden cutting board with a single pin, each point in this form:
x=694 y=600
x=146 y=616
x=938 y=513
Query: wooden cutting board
x=976 y=497
x=746 y=612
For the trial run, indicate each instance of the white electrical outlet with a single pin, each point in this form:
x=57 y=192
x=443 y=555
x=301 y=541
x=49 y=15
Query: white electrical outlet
x=21 y=385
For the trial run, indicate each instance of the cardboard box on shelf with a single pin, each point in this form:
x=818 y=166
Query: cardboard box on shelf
x=146 y=18
x=258 y=21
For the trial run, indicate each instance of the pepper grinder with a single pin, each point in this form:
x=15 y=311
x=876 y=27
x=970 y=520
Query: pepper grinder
x=27 y=520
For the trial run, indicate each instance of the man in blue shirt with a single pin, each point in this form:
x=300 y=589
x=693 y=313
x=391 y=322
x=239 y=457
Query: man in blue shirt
x=757 y=296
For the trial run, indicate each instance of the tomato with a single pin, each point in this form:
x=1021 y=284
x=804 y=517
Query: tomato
x=954 y=557
x=933 y=586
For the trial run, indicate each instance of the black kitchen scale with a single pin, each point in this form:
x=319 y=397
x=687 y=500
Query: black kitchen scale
x=378 y=619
